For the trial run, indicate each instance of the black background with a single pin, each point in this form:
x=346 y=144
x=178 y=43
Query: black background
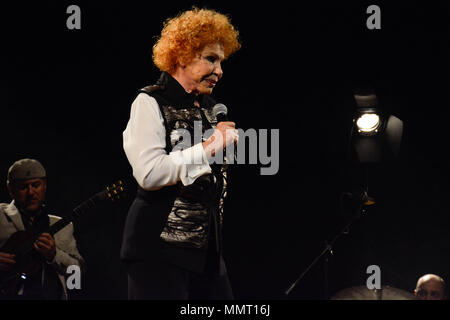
x=65 y=99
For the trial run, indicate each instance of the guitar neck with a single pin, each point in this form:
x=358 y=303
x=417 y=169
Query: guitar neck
x=76 y=213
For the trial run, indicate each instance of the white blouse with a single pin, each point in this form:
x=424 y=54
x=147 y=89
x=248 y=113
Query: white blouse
x=144 y=142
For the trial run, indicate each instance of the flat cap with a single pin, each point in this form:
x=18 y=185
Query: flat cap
x=25 y=169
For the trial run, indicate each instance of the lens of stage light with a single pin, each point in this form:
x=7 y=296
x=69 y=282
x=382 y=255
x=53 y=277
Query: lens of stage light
x=368 y=122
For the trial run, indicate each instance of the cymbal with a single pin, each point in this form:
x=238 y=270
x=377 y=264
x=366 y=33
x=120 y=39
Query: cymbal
x=363 y=293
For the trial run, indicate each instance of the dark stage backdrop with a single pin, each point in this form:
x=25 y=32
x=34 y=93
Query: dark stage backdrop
x=66 y=96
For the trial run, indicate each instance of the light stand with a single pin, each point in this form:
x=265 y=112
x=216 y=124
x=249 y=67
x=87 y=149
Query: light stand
x=364 y=201
x=377 y=137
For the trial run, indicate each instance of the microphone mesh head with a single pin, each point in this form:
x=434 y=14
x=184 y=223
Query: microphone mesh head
x=219 y=108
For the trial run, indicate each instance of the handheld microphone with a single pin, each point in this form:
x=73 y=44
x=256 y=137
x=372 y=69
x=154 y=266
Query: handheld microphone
x=220 y=111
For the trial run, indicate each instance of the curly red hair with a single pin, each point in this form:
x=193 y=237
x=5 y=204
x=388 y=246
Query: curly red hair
x=186 y=34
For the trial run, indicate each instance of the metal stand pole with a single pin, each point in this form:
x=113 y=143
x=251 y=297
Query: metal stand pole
x=329 y=249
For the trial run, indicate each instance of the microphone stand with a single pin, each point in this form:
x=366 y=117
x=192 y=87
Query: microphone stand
x=329 y=247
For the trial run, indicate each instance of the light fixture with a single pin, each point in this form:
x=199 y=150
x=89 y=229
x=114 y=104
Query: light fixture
x=368 y=122
x=377 y=134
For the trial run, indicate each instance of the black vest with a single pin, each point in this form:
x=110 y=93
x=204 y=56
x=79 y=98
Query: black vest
x=178 y=222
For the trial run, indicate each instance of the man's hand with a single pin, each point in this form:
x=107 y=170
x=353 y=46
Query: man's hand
x=6 y=261
x=45 y=245
x=224 y=135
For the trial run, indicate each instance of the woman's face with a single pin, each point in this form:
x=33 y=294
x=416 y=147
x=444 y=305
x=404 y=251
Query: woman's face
x=204 y=71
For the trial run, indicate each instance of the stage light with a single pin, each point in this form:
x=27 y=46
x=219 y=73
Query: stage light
x=377 y=134
x=368 y=122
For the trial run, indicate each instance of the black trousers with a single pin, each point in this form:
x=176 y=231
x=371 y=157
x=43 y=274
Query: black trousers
x=157 y=279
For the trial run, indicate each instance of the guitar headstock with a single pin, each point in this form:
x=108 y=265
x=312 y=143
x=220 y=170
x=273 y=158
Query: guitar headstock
x=115 y=191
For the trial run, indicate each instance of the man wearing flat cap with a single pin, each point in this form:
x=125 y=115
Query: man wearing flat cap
x=27 y=185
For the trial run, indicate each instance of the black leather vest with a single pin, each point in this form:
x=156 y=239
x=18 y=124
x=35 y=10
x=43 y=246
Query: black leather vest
x=196 y=210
